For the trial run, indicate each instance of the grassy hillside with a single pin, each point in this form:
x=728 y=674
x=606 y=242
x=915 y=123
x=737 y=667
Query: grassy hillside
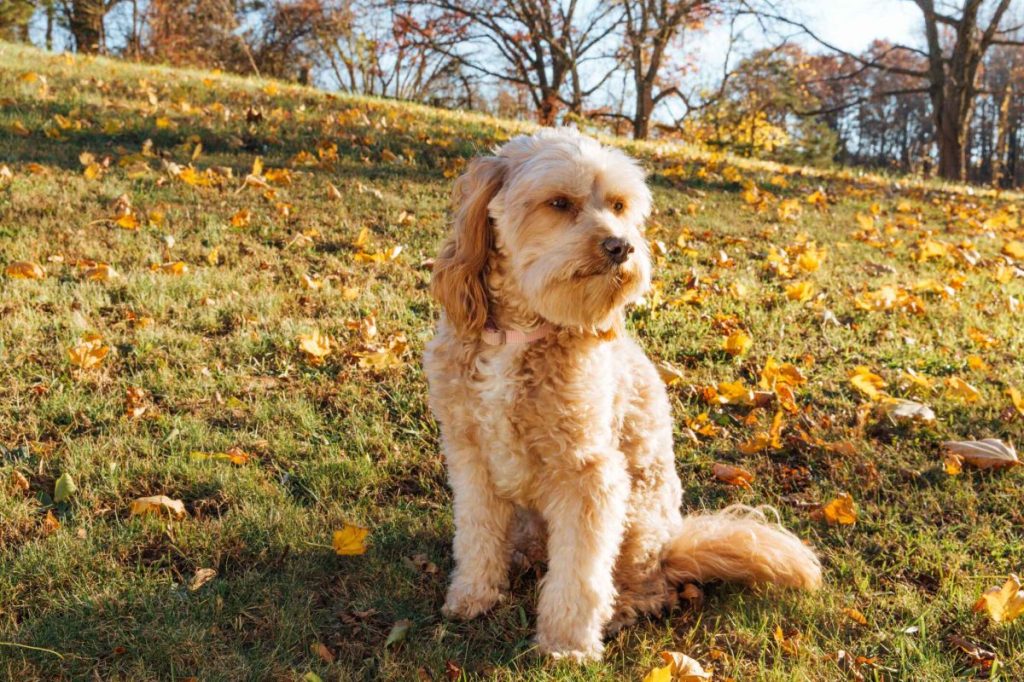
x=241 y=216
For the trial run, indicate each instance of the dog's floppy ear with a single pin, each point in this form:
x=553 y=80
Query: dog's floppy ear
x=458 y=282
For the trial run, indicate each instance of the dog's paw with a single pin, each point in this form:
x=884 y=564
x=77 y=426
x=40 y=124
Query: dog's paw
x=466 y=601
x=577 y=652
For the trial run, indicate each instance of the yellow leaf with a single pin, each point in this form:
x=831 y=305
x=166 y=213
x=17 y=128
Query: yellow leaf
x=241 y=218
x=856 y=616
x=234 y=456
x=734 y=393
x=381 y=359
x=315 y=346
x=678 y=668
x=738 y=343
x=127 y=222
x=977 y=364
x=952 y=464
x=350 y=540
x=175 y=268
x=841 y=510
x=92 y=171
x=732 y=475
x=100 y=272
x=981 y=338
x=25 y=270
x=960 y=389
x=88 y=352
x=1003 y=603
x=800 y=291
x=790 y=644
x=867 y=382
x=18 y=128
x=190 y=176
x=158 y=504
x=1017 y=399
x=1014 y=249
x=758 y=443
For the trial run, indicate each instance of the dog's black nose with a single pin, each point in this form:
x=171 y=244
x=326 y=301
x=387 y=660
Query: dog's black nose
x=617 y=249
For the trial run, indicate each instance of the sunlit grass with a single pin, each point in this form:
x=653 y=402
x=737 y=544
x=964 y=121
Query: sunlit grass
x=220 y=366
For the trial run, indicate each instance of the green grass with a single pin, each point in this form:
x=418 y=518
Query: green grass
x=107 y=593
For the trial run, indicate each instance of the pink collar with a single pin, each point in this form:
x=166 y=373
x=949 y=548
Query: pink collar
x=493 y=336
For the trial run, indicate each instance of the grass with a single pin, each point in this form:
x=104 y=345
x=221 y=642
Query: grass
x=89 y=591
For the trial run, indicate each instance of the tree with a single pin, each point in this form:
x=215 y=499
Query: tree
x=537 y=45
x=957 y=37
x=84 y=19
x=650 y=27
x=14 y=18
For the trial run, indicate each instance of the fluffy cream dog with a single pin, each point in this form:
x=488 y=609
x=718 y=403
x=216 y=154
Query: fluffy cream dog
x=555 y=426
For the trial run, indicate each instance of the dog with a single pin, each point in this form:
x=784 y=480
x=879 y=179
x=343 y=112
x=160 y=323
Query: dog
x=555 y=426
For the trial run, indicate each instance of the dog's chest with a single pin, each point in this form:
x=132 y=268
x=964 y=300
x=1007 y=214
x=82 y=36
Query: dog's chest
x=499 y=388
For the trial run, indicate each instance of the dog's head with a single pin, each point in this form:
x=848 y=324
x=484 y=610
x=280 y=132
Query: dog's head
x=565 y=214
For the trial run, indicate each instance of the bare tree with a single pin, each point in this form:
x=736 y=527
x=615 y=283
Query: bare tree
x=537 y=45
x=650 y=27
x=957 y=37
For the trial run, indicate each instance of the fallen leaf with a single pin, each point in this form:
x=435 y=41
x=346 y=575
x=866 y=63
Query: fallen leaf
x=1002 y=603
x=732 y=475
x=1017 y=399
x=201 y=577
x=323 y=652
x=315 y=346
x=788 y=643
x=979 y=657
x=856 y=616
x=25 y=270
x=64 y=488
x=958 y=388
x=669 y=374
x=678 y=668
x=867 y=382
x=19 y=481
x=800 y=291
x=158 y=504
x=737 y=343
x=990 y=453
x=900 y=409
x=88 y=352
x=50 y=523
x=398 y=632
x=350 y=540
x=842 y=510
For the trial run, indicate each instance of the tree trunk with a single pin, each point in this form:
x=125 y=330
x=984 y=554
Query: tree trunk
x=642 y=115
x=1002 y=135
x=87 y=25
x=548 y=110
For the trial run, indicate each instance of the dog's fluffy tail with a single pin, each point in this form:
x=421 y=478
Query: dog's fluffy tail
x=739 y=544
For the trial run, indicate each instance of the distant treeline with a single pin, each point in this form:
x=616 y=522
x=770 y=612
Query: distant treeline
x=950 y=104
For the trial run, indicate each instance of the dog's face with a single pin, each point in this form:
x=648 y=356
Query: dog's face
x=567 y=215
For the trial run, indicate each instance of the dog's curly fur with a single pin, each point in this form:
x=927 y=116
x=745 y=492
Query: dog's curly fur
x=567 y=441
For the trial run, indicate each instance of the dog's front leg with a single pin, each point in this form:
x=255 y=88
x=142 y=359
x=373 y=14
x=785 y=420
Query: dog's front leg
x=584 y=505
x=481 y=548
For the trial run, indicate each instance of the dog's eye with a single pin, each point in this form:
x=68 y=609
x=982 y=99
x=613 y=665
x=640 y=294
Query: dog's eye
x=560 y=204
x=618 y=206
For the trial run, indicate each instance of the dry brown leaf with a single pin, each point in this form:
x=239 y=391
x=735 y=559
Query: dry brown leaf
x=201 y=577
x=158 y=504
x=732 y=475
x=990 y=453
x=88 y=352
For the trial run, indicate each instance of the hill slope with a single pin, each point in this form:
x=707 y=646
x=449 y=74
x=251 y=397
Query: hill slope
x=241 y=216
